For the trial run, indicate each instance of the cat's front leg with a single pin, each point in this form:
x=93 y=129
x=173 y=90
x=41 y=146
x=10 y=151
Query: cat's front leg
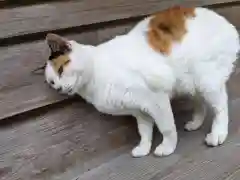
x=218 y=99
x=162 y=114
x=145 y=129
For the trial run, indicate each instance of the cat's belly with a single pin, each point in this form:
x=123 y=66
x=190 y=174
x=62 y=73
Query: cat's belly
x=119 y=101
x=114 y=108
x=184 y=86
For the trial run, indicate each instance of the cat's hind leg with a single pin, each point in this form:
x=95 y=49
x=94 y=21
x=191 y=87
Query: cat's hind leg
x=198 y=115
x=217 y=97
x=145 y=129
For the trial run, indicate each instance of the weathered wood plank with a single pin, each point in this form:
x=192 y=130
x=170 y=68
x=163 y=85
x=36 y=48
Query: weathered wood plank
x=232 y=13
x=211 y=164
x=235 y=175
x=107 y=33
x=197 y=164
x=49 y=17
x=21 y=91
x=50 y=142
x=43 y=143
x=192 y=160
x=13 y=3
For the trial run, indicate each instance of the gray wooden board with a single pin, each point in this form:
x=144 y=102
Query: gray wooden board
x=50 y=142
x=210 y=164
x=59 y=142
x=235 y=175
x=21 y=91
x=191 y=161
x=61 y=15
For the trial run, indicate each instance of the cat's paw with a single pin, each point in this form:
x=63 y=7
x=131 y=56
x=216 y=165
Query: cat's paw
x=216 y=138
x=141 y=150
x=192 y=125
x=164 y=150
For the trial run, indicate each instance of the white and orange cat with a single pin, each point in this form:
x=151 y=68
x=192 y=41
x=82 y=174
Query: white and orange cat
x=174 y=52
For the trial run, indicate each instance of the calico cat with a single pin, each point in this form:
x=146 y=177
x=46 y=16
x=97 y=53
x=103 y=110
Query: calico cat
x=174 y=52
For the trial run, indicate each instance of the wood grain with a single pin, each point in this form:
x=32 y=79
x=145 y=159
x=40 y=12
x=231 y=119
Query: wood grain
x=235 y=175
x=210 y=164
x=192 y=160
x=20 y=90
x=18 y=61
x=55 y=141
x=109 y=32
x=13 y=3
x=49 y=142
x=54 y=16
x=231 y=13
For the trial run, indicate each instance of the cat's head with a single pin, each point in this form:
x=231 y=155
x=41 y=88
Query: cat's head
x=66 y=64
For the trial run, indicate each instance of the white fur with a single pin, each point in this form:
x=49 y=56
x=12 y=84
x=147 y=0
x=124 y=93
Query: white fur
x=124 y=76
x=198 y=116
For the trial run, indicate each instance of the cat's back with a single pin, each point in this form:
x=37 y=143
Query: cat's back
x=183 y=38
x=177 y=32
x=207 y=33
x=183 y=29
x=188 y=38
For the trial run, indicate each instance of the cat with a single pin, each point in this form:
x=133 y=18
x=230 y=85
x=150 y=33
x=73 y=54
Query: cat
x=174 y=52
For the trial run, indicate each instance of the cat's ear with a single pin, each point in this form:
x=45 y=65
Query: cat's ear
x=58 y=44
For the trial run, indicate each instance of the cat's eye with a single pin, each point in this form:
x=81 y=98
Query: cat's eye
x=51 y=82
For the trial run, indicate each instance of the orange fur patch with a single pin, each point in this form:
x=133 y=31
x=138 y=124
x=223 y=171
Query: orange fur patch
x=168 y=26
x=59 y=63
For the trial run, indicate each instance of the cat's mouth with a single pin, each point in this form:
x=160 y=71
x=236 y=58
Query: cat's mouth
x=71 y=90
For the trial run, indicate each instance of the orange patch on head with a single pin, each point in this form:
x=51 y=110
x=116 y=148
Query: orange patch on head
x=60 y=63
x=168 y=26
x=60 y=49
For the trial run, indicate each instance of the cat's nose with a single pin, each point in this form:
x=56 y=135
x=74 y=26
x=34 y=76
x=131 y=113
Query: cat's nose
x=59 y=89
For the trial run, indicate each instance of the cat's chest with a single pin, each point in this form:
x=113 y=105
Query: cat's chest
x=114 y=99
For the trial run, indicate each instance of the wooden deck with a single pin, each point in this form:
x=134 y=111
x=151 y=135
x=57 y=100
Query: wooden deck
x=45 y=136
